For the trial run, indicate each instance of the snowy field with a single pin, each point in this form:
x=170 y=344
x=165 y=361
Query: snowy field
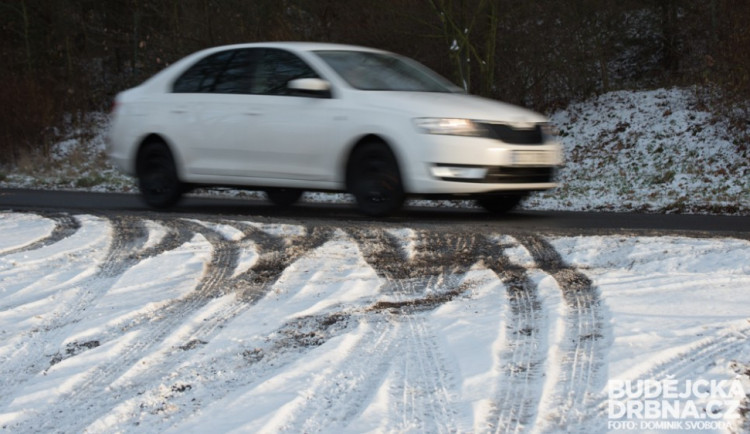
x=126 y=324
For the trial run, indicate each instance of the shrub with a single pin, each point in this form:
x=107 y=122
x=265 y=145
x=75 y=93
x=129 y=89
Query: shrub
x=28 y=116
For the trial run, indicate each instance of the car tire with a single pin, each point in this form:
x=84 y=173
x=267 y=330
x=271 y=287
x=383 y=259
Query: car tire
x=500 y=204
x=157 y=176
x=284 y=196
x=374 y=179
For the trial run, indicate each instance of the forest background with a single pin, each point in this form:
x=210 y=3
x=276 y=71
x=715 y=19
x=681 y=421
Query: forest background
x=63 y=59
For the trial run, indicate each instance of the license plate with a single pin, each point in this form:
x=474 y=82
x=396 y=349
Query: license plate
x=533 y=158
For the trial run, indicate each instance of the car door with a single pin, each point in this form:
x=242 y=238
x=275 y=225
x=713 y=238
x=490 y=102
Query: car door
x=211 y=105
x=295 y=137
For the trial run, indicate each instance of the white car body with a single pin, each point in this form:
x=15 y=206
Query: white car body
x=304 y=142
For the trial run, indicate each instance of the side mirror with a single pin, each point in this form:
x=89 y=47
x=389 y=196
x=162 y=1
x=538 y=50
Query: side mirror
x=312 y=87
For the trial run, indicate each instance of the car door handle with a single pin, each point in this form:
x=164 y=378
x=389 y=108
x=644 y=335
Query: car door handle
x=179 y=111
x=252 y=113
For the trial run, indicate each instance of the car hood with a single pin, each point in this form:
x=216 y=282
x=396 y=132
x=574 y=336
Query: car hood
x=449 y=105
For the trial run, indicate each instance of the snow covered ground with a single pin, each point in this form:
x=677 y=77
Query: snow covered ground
x=128 y=324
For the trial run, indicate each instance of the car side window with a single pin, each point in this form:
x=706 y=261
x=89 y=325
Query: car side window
x=224 y=72
x=237 y=75
x=276 y=69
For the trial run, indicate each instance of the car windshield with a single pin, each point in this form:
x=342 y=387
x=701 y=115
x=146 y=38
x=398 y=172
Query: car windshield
x=366 y=70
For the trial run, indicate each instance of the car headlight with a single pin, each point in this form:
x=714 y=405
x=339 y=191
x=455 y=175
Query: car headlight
x=449 y=126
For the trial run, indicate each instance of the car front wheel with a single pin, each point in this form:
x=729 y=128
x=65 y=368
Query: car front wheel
x=374 y=179
x=157 y=176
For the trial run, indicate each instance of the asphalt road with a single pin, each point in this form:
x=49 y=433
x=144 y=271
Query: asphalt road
x=584 y=223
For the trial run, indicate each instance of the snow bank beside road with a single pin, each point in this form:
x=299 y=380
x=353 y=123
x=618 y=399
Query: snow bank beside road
x=658 y=151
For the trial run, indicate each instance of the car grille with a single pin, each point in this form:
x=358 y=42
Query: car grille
x=519 y=175
x=515 y=136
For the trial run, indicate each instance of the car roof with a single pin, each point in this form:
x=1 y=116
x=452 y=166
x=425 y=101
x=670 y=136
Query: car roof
x=297 y=46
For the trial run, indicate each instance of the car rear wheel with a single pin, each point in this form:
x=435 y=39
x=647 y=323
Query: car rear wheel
x=284 y=196
x=157 y=176
x=500 y=204
x=373 y=178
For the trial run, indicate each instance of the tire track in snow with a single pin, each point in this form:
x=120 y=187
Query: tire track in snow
x=176 y=236
x=685 y=364
x=582 y=373
x=297 y=338
x=157 y=327
x=152 y=330
x=293 y=339
x=423 y=381
x=52 y=334
x=517 y=392
x=430 y=269
x=341 y=391
x=275 y=254
x=397 y=354
x=416 y=262
x=262 y=355
x=218 y=272
x=420 y=272
x=178 y=233
x=346 y=387
x=703 y=355
x=128 y=235
x=127 y=249
x=65 y=226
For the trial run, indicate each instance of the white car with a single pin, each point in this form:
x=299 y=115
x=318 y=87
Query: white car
x=291 y=117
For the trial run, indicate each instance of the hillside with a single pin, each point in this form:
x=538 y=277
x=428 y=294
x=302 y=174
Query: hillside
x=657 y=151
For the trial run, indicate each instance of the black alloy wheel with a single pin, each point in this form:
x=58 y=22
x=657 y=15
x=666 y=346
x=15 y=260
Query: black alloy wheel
x=157 y=176
x=374 y=179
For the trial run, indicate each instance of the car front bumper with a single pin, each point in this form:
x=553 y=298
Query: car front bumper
x=475 y=165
